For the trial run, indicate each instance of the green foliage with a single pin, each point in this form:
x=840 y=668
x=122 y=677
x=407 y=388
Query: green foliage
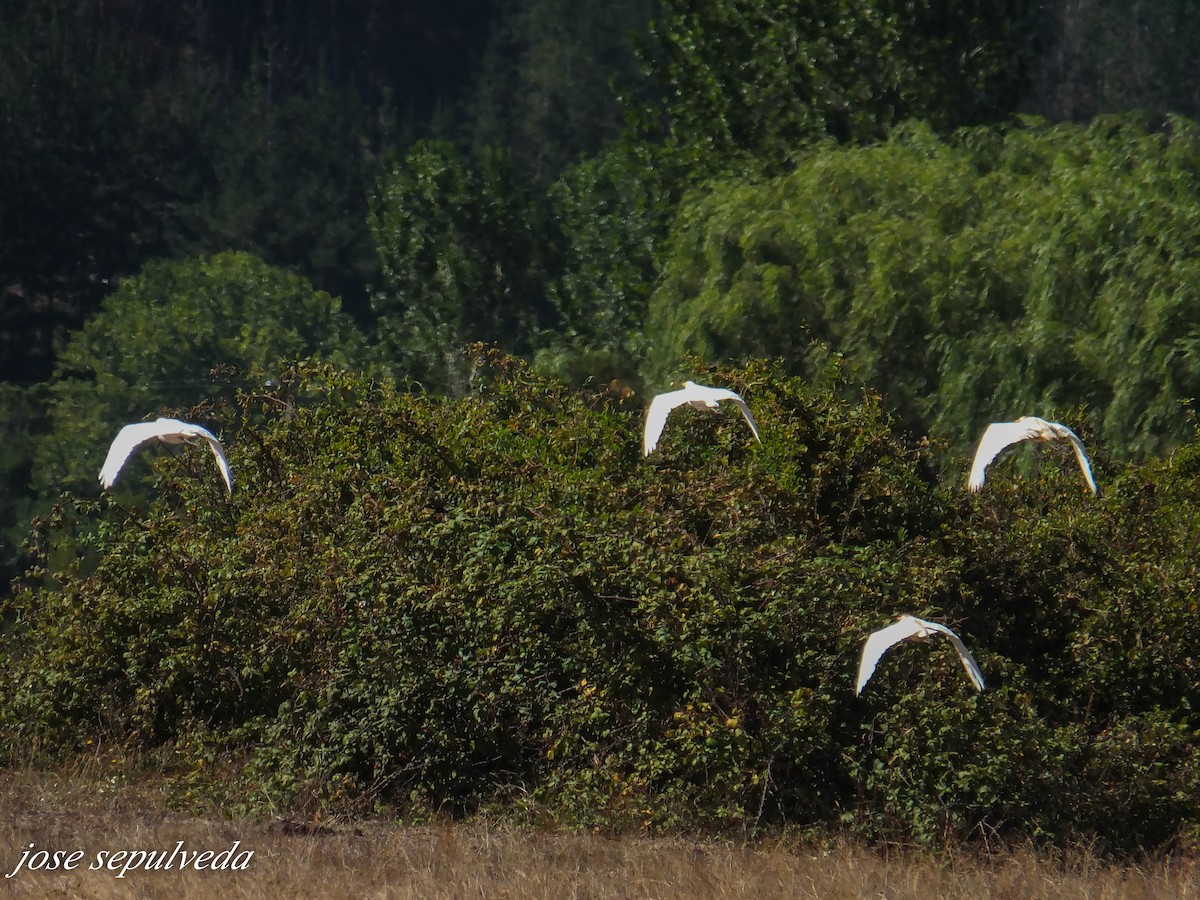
x=172 y=335
x=116 y=151
x=611 y=211
x=544 y=85
x=763 y=77
x=81 y=198
x=416 y=602
x=452 y=600
x=284 y=176
x=983 y=277
x=22 y=420
x=1094 y=595
x=462 y=254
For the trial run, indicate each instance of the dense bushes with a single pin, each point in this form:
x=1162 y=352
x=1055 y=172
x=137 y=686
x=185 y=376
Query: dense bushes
x=496 y=602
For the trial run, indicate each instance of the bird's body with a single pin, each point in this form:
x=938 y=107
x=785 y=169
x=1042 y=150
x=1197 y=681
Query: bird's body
x=1000 y=435
x=697 y=396
x=908 y=627
x=168 y=431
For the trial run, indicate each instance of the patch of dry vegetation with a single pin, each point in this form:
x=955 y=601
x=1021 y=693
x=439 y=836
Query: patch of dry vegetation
x=379 y=860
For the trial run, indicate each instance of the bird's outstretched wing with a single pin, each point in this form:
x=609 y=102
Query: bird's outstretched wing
x=699 y=395
x=1000 y=435
x=219 y=452
x=169 y=430
x=1081 y=455
x=996 y=437
x=656 y=418
x=126 y=441
x=726 y=394
x=878 y=642
x=968 y=661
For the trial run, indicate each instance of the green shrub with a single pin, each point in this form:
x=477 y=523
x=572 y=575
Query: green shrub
x=495 y=603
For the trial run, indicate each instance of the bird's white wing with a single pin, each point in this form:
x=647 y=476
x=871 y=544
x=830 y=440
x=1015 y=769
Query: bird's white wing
x=656 y=418
x=878 y=642
x=704 y=392
x=995 y=438
x=745 y=408
x=183 y=429
x=1081 y=455
x=127 y=439
x=222 y=463
x=169 y=430
x=968 y=661
x=177 y=428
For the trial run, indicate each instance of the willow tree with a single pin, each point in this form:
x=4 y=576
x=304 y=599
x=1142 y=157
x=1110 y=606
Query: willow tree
x=983 y=276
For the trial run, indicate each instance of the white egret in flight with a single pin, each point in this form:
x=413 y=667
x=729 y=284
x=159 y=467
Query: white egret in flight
x=168 y=431
x=1000 y=435
x=907 y=627
x=695 y=395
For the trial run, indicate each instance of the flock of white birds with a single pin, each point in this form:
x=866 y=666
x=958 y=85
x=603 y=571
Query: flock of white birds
x=996 y=438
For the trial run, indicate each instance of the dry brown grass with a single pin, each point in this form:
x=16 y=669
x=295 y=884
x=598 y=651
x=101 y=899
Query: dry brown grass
x=392 y=861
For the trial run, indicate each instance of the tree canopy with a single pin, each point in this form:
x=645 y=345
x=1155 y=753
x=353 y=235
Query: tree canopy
x=172 y=336
x=973 y=278
x=461 y=260
x=766 y=77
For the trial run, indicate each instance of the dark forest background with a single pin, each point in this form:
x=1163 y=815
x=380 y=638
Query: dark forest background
x=981 y=205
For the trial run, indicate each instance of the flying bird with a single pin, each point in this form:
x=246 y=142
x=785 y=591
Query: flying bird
x=1000 y=435
x=695 y=395
x=907 y=627
x=168 y=431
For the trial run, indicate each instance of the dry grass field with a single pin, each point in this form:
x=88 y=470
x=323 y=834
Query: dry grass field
x=374 y=860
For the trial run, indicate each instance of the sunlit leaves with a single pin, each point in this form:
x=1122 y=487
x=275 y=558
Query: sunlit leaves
x=416 y=602
x=971 y=279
